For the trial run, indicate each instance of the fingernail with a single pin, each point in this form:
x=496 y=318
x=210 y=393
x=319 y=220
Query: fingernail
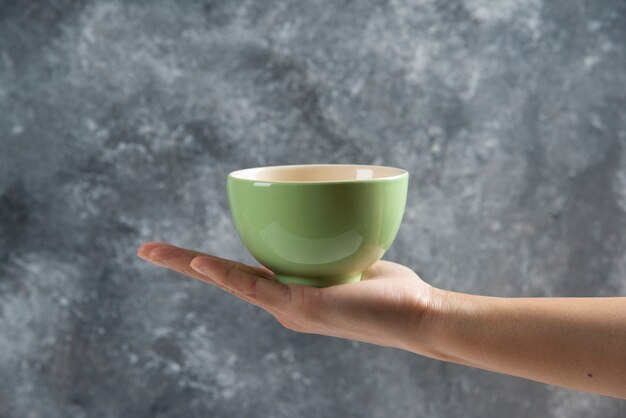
x=155 y=259
x=143 y=257
x=199 y=266
x=144 y=251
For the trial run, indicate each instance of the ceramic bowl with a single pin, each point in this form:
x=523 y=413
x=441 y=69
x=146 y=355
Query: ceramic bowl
x=318 y=224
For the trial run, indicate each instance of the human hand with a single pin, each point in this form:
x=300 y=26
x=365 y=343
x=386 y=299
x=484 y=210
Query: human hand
x=385 y=308
x=560 y=341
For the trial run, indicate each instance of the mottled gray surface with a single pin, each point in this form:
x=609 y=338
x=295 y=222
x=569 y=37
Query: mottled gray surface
x=120 y=120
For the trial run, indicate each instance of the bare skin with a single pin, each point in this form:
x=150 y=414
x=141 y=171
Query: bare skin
x=578 y=343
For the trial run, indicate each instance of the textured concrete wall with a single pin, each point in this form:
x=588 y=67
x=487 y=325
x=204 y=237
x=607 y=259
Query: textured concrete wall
x=120 y=120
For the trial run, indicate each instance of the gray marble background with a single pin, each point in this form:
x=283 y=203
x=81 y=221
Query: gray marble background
x=120 y=120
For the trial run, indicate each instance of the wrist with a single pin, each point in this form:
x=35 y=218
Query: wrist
x=426 y=319
x=447 y=319
x=439 y=305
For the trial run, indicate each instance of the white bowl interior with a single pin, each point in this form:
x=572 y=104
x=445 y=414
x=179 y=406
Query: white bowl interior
x=317 y=173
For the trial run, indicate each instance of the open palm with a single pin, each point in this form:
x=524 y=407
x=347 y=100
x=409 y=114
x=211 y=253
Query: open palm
x=384 y=308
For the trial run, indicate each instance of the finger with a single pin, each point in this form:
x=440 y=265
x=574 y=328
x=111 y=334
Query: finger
x=145 y=249
x=175 y=259
x=171 y=250
x=243 y=284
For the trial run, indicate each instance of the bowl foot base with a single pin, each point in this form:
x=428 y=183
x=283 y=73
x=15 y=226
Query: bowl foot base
x=317 y=281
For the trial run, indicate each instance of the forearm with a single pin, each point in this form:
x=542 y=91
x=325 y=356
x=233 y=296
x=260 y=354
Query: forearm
x=578 y=343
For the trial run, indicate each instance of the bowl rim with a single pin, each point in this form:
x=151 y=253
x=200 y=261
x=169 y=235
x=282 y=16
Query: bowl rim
x=236 y=175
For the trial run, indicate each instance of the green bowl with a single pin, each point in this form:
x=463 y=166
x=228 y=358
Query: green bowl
x=319 y=224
